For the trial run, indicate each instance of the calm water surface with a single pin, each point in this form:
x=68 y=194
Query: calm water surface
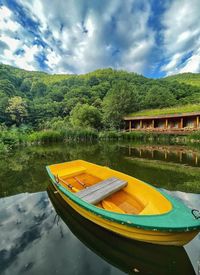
x=39 y=234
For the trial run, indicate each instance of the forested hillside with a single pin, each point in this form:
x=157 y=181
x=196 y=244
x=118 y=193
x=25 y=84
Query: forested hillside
x=186 y=78
x=98 y=99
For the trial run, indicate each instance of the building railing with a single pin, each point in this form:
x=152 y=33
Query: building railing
x=165 y=124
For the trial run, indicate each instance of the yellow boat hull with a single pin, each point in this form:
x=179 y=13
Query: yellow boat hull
x=156 y=237
x=158 y=218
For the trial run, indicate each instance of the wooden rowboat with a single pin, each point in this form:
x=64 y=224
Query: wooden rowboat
x=123 y=204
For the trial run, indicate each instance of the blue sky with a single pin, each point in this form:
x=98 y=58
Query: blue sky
x=151 y=37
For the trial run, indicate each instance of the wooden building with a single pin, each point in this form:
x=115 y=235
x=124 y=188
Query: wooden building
x=185 y=122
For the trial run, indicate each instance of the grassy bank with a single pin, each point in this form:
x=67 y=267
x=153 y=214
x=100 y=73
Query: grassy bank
x=13 y=137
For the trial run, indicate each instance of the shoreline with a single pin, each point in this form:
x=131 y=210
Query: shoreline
x=10 y=138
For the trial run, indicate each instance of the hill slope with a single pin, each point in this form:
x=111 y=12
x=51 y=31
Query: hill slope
x=186 y=78
x=103 y=96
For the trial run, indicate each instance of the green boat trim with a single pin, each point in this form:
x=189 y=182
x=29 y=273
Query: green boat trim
x=179 y=219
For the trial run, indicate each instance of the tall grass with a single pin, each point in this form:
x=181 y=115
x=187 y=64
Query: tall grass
x=10 y=138
x=64 y=135
x=79 y=134
x=15 y=137
x=47 y=136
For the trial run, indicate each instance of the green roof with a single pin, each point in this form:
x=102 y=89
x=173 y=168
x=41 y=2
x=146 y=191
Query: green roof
x=167 y=111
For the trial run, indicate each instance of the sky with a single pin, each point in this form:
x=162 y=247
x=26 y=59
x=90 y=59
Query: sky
x=155 y=38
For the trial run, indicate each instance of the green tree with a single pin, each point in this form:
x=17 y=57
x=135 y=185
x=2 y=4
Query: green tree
x=85 y=116
x=17 y=110
x=7 y=87
x=26 y=86
x=120 y=100
x=3 y=104
x=38 y=89
x=159 y=97
x=56 y=95
x=93 y=80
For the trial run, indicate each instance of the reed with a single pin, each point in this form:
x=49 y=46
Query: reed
x=12 y=137
x=46 y=136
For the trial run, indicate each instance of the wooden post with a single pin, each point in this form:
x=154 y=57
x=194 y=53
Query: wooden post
x=130 y=125
x=140 y=124
x=166 y=123
x=181 y=156
x=152 y=123
x=181 y=123
x=196 y=160
x=197 y=122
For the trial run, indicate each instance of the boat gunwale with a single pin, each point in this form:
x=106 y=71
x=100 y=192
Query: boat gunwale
x=133 y=220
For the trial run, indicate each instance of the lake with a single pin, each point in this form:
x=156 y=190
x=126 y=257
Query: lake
x=40 y=234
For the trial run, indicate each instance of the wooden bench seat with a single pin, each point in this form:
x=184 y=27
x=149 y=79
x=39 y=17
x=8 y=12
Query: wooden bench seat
x=97 y=192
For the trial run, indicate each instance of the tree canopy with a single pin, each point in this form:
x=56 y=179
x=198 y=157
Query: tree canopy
x=98 y=99
x=86 y=116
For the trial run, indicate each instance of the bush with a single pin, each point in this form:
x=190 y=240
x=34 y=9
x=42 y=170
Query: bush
x=195 y=135
x=56 y=123
x=3 y=148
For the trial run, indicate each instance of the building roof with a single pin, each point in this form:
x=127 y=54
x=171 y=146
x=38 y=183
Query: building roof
x=162 y=116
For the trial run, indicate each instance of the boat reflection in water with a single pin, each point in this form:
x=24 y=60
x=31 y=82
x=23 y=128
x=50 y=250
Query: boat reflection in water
x=128 y=255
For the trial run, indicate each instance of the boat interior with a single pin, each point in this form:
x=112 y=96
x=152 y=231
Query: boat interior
x=135 y=197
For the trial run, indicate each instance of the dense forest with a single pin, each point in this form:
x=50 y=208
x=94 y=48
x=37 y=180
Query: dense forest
x=99 y=100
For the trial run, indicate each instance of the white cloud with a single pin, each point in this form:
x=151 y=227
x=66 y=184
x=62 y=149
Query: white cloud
x=12 y=43
x=27 y=60
x=82 y=37
x=181 y=36
x=77 y=36
x=6 y=22
x=192 y=64
x=8 y=32
x=11 y=34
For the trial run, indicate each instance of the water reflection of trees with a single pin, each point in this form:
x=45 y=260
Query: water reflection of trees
x=24 y=169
